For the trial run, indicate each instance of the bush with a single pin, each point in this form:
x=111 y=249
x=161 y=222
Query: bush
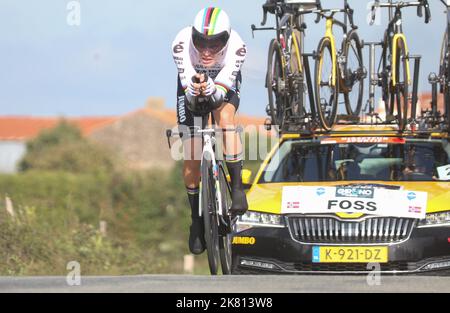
x=58 y=214
x=64 y=148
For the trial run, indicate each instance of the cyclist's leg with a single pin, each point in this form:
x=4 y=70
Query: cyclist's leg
x=191 y=175
x=233 y=151
x=192 y=147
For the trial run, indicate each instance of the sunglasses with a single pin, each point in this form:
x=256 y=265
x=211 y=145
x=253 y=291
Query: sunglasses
x=211 y=46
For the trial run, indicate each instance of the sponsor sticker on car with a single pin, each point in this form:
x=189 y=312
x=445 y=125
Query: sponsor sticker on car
x=444 y=172
x=374 y=201
x=355 y=192
x=370 y=140
x=243 y=240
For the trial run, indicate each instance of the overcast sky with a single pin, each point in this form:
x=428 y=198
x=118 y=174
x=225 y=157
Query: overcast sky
x=120 y=53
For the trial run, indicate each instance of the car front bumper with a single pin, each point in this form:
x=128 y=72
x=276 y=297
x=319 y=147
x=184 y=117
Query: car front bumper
x=274 y=250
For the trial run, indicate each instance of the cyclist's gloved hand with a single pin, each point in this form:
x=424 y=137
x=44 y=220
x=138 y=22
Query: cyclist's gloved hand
x=193 y=89
x=209 y=87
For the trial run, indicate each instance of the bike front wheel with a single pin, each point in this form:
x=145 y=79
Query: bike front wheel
x=444 y=72
x=326 y=84
x=354 y=74
x=276 y=84
x=225 y=236
x=385 y=75
x=210 y=218
x=297 y=90
x=401 y=87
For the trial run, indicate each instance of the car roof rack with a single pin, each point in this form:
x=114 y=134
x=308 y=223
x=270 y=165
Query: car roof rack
x=420 y=128
x=363 y=129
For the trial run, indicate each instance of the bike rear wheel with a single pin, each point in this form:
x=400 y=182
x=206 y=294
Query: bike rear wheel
x=276 y=84
x=402 y=84
x=225 y=237
x=386 y=86
x=297 y=87
x=444 y=72
x=354 y=74
x=210 y=216
x=326 y=88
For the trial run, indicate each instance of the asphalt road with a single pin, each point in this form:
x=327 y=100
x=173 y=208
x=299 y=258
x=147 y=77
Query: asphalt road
x=227 y=284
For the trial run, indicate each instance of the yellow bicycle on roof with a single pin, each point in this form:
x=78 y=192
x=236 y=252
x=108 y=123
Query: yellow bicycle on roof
x=338 y=71
x=393 y=71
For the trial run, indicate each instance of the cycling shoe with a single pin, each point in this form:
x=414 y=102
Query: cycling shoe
x=197 y=236
x=239 y=203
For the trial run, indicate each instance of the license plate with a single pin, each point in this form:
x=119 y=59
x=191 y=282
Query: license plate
x=350 y=255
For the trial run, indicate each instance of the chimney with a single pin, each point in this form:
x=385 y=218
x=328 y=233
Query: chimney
x=155 y=103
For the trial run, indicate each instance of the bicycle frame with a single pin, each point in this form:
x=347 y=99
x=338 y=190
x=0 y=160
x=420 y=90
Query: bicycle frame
x=294 y=63
x=395 y=27
x=208 y=152
x=330 y=23
x=395 y=40
x=283 y=24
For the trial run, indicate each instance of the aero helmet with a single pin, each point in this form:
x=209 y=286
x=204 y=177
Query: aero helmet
x=211 y=30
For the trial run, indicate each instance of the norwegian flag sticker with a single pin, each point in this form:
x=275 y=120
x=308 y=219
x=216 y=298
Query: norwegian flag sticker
x=415 y=209
x=293 y=205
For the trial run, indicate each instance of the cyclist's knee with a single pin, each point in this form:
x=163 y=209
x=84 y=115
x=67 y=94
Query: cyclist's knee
x=191 y=173
x=226 y=116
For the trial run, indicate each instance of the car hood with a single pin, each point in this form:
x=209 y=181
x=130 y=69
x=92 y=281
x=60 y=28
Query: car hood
x=267 y=197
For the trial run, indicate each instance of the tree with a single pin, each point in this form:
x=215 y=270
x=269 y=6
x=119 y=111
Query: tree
x=64 y=148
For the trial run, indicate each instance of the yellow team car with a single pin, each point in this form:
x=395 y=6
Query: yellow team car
x=354 y=200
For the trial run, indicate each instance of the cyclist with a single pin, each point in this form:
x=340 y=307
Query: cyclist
x=209 y=56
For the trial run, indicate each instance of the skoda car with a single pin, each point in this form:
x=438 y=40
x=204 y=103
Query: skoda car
x=355 y=200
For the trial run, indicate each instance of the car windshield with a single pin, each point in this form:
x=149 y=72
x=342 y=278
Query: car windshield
x=390 y=159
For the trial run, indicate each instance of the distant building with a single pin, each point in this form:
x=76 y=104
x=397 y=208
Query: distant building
x=11 y=152
x=139 y=137
x=15 y=131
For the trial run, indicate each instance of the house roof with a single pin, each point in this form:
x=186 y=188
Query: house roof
x=27 y=127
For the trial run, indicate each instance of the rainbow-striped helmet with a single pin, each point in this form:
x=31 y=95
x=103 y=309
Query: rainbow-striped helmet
x=211 y=30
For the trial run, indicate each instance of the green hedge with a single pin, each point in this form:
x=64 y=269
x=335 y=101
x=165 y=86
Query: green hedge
x=58 y=213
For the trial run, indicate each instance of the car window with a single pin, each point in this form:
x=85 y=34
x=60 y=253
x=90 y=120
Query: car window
x=303 y=161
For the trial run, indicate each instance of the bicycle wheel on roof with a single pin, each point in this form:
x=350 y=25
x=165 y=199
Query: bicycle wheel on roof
x=326 y=84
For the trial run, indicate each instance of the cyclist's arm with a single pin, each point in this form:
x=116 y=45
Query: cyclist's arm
x=182 y=58
x=226 y=79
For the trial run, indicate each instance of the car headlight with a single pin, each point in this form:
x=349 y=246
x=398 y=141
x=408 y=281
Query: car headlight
x=435 y=219
x=251 y=219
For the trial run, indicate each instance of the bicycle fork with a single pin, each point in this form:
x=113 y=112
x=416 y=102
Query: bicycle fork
x=209 y=154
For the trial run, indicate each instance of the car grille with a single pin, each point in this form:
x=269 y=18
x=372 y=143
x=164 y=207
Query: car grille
x=332 y=230
x=347 y=267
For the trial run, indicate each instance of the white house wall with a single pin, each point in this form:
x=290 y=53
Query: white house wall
x=11 y=152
